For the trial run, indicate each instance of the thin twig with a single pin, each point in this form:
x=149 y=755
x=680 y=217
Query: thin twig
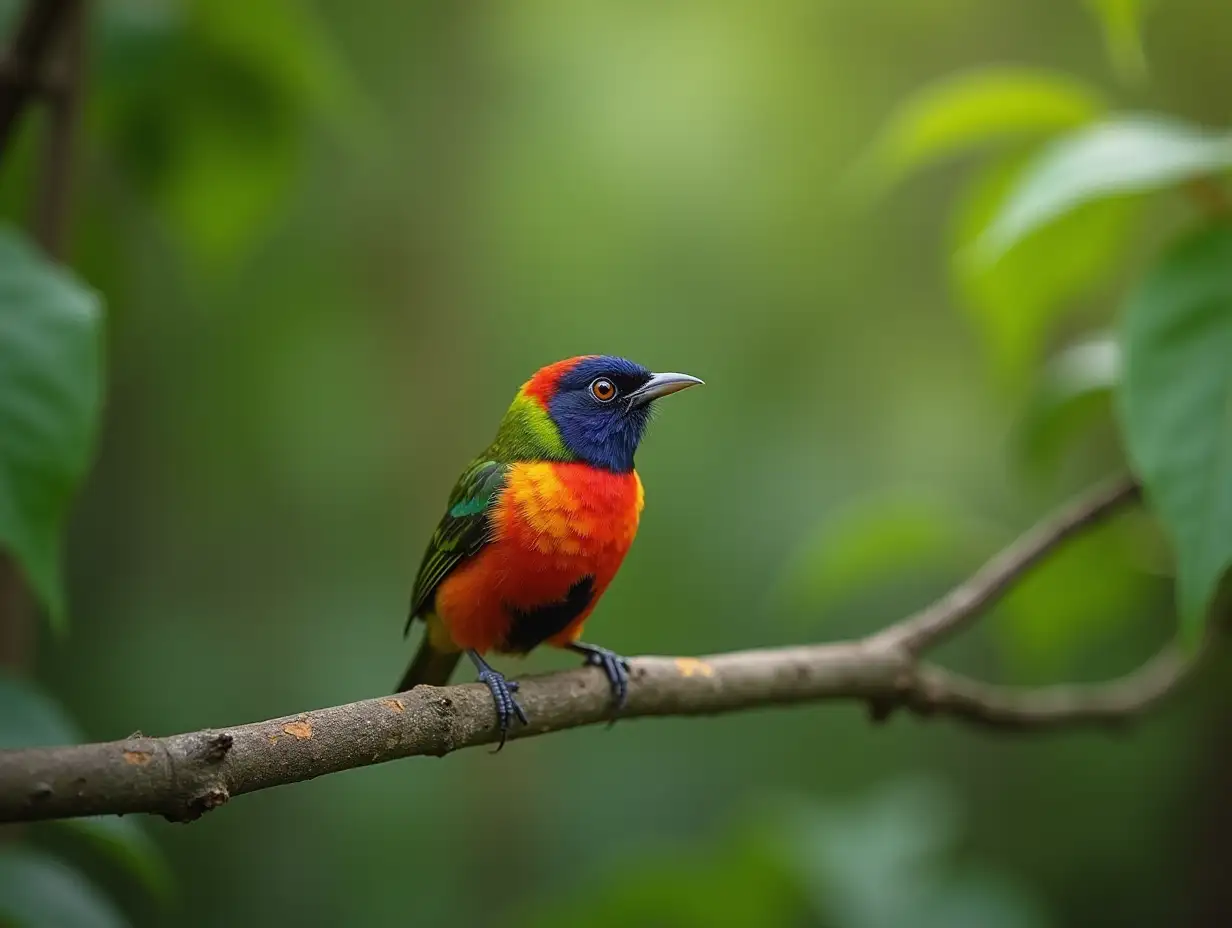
x=1113 y=703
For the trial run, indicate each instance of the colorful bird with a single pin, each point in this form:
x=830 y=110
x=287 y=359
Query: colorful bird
x=537 y=526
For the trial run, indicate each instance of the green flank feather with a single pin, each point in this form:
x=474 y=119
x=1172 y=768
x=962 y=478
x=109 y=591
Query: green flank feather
x=463 y=530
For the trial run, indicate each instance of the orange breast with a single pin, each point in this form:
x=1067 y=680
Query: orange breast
x=555 y=525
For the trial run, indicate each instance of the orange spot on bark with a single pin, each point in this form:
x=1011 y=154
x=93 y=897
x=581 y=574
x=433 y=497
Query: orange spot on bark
x=137 y=758
x=691 y=666
x=396 y=705
x=301 y=731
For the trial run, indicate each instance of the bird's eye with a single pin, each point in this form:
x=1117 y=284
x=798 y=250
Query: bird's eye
x=603 y=390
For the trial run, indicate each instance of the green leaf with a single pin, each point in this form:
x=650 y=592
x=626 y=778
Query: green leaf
x=29 y=718
x=1176 y=408
x=1121 y=21
x=50 y=401
x=1015 y=299
x=1131 y=155
x=37 y=891
x=1076 y=386
x=975 y=108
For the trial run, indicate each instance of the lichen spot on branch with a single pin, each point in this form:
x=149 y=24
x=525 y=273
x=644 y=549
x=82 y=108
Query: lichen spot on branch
x=692 y=667
x=300 y=731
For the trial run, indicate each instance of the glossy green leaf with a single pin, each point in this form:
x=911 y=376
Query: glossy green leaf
x=1176 y=408
x=1076 y=386
x=1134 y=154
x=975 y=108
x=1017 y=298
x=50 y=401
x=38 y=891
x=1121 y=21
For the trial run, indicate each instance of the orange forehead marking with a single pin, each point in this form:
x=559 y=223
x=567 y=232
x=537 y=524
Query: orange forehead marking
x=542 y=386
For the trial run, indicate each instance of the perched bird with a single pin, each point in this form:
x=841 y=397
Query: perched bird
x=537 y=526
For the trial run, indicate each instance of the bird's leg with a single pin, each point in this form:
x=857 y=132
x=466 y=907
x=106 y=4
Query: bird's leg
x=613 y=665
x=502 y=691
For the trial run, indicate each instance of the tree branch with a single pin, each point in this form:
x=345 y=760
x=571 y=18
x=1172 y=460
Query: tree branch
x=1047 y=707
x=183 y=776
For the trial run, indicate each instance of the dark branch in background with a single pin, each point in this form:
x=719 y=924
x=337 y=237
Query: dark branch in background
x=64 y=101
x=183 y=776
x=22 y=68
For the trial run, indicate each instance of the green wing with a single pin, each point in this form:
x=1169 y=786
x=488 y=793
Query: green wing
x=463 y=530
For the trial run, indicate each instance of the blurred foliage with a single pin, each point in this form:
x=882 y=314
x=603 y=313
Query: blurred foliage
x=36 y=890
x=1120 y=157
x=978 y=108
x=1017 y=298
x=1036 y=231
x=1177 y=405
x=50 y=401
x=1122 y=22
x=1072 y=391
x=333 y=238
x=32 y=719
x=890 y=859
x=889 y=538
x=214 y=144
x=876 y=861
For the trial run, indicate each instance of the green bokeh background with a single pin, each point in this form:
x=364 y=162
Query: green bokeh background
x=334 y=239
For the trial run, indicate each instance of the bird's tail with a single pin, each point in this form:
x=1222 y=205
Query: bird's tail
x=430 y=665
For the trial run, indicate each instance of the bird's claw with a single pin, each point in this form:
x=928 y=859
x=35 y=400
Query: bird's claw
x=615 y=668
x=507 y=707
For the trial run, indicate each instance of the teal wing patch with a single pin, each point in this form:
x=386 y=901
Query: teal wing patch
x=463 y=530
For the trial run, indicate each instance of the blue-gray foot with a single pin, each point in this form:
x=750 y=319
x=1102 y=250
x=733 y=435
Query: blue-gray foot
x=502 y=690
x=615 y=667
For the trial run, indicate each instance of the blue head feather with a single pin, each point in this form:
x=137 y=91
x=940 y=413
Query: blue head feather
x=603 y=434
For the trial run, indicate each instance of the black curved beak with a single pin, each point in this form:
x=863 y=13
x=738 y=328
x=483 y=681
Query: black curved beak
x=661 y=385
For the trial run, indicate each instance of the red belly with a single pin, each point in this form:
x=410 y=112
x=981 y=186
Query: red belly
x=555 y=525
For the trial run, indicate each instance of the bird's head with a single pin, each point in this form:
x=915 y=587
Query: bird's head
x=593 y=408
